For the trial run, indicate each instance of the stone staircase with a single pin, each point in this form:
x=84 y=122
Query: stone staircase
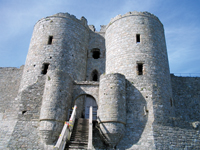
x=79 y=137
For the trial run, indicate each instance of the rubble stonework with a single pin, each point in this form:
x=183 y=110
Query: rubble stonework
x=122 y=71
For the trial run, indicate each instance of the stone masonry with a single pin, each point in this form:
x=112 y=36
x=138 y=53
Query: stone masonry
x=122 y=71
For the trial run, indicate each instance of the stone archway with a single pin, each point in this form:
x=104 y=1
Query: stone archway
x=83 y=102
x=90 y=101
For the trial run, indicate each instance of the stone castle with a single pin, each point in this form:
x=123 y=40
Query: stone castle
x=122 y=71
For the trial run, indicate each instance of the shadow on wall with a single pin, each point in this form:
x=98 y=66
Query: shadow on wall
x=136 y=116
x=30 y=100
x=79 y=102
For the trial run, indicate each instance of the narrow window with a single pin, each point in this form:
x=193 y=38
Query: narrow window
x=45 y=68
x=50 y=40
x=140 y=69
x=171 y=103
x=137 y=38
x=94 y=75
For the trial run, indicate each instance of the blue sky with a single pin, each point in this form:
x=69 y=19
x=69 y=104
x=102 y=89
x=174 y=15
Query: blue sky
x=181 y=20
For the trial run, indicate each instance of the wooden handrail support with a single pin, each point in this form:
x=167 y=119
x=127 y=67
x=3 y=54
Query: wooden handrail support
x=90 y=129
x=66 y=132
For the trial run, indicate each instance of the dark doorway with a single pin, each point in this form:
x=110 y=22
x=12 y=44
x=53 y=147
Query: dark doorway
x=95 y=75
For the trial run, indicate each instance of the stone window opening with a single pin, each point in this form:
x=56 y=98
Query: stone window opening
x=171 y=102
x=137 y=38
x=45 y=68
x=95 y=53
x=50 y=40
x=140 y=68
x=95 y=76
x=23 y=112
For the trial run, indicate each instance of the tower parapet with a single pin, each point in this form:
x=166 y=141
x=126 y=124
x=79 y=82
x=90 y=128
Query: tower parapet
x=133 y=13
x=82 y=21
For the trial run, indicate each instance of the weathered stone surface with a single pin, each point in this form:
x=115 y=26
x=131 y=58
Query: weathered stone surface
x=55 y=105
x=137 y=100
x=186 y=97
x=9 y=85
x=112 y=107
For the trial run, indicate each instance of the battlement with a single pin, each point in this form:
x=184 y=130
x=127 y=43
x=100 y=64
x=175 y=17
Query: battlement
x=102 y=29
x=82 y=21
x=133 y=13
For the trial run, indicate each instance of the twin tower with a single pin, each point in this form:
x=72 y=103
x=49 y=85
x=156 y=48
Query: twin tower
x=127 y=58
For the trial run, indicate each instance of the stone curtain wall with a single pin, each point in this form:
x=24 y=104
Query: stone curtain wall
x=184 y=129
x=9 y=105
x=10 y=80
x=26 y=130
x=174 y=137
x=186 y=97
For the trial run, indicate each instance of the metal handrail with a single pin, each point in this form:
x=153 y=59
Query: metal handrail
x=66 y=132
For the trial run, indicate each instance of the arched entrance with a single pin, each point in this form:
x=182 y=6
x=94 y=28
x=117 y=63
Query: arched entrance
x=83 y=103
x=90 y=101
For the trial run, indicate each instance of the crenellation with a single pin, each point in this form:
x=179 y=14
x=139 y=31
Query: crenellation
x=92 y=27
x=82 y=20
x=103 y=28
x=122 y=71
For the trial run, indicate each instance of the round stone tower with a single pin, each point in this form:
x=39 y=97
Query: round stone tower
x=112 y=107
x=58 y=42
x=136 y=48
x=58 y=50
x=55 y=104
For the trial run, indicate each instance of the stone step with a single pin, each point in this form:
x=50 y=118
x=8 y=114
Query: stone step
x=77 y=147
x=76 y=138
x=78 y=142
x=79 y=137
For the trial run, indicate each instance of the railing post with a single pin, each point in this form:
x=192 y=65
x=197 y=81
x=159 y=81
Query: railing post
x=66 y=132
x=90 y=129
x=72 y=118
